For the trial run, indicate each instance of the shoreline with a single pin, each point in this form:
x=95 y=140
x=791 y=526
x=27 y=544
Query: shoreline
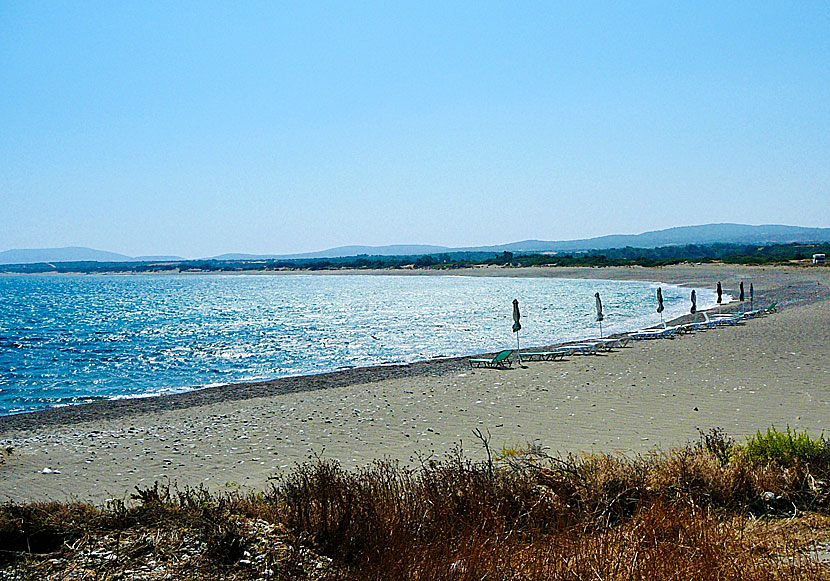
x=110 y=409
x=651 y=393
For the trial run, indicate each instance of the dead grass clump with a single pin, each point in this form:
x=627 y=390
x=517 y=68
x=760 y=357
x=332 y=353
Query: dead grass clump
x=454 y=515
x=704 y=511
x=44 y=527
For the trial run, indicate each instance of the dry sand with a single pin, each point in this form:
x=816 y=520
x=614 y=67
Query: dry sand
x=768 y=371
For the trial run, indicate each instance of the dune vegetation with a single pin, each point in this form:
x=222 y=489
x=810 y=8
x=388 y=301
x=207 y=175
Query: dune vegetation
x=713 y=509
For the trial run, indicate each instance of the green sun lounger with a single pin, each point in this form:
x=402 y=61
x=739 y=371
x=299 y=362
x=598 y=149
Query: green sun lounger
x=501 y=360
x=773 y=308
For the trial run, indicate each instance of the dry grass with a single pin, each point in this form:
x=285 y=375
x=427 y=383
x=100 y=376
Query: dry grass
x=705 y=511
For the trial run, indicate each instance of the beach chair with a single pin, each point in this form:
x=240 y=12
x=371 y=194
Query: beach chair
x=670 y=332
x=605 y=344
x=761 y=312
x=501 y=360
x=644 y=334
x=708 y=323
x=697 y=326
x=727 y=319
x=553 y=355
x=583 y=348
x=721 y=320
x=678 y=329
x=666 y=333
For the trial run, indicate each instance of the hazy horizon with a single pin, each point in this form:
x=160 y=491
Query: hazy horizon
x=687 y=237
x=205 y=129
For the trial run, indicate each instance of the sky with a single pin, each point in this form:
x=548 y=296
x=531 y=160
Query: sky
x=199 y=128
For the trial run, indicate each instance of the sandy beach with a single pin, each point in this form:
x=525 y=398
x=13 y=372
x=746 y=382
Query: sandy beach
x=773 y=370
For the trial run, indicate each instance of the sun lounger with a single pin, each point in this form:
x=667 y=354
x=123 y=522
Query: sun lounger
x=642 y=334
x=583 y=348
x=552 y=355
x=708 y=323
x=501 y=360
x=678 y=329
x=721 y=320
x=596 y=344
x=761 y=312
x=727 y=319
x=604 y=344
x=697 y=326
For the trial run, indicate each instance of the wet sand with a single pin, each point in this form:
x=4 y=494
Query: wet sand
x=768 y=371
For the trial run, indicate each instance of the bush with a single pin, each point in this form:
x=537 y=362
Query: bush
x=684 y=514
x=788 y=449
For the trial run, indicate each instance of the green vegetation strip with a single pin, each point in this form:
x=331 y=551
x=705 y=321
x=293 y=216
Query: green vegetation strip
x=628 y=256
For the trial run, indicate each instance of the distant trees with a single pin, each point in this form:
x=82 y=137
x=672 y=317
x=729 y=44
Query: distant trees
x=626 y=256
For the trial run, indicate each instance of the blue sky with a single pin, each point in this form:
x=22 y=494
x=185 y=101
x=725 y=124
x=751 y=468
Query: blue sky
x=202 y=128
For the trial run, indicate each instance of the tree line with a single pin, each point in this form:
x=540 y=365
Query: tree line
x=627 y=256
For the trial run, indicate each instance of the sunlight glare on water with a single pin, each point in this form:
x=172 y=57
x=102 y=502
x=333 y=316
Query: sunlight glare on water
x=75 y=339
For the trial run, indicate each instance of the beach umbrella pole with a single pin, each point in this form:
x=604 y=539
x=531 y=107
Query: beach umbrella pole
x=518 y=349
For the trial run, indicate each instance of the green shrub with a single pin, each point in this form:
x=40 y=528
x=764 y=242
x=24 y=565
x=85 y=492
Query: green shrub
x=787 y=448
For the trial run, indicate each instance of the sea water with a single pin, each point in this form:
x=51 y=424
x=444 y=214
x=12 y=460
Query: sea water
x=73 y=339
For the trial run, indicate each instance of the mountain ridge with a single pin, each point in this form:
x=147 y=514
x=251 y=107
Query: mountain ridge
x=678 y=235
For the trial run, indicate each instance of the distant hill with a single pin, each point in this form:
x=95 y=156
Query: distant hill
x=157 y=259
x=68 y=254
x=72 y=254
x=392 y=250
x=705 y=234
x=682 y=235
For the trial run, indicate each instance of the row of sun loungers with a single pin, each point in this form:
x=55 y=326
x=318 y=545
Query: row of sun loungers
x=504 y=359
x=709 y=323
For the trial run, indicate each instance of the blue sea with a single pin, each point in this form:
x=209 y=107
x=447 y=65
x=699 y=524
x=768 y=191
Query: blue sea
x=68 y=340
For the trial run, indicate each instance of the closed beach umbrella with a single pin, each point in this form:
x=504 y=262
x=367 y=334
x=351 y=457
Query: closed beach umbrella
x=751 y=295
x=516 y=327
x=720 y=293
x=742 y=291
x=599 y=313
x=693 y=310
x=516 y=316
x=660 y=302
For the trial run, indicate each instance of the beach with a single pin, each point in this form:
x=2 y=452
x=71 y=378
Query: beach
x=767 y=371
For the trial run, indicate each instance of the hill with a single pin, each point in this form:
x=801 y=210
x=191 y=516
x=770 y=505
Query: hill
x=68 y=254
x=706 y=234
x=681 y=235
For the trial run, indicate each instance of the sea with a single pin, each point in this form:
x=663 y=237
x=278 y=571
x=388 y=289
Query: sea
x=68 y=340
